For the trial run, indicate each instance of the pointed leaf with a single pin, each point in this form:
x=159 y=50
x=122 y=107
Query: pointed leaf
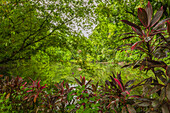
x=168 y=71
x=118 y=82
x=131 y=109
x=149 y=12
x=165 y=108
x=162 y=95
x=155 y=103
x=88 y=83
x=129 y=83
x=168 y=91
x=93 y=87
x=143 y=17
x=161 y=22
x=83 y=80
x=168 y=27
x=67 y=85
x=144 y=104
x=38 y=84
x=136 y=28
x=35 y=98
x=78 y=81
x=140 y=48
x=157 y=17
x=135 y=44
x=42 y=87
x=127 y=37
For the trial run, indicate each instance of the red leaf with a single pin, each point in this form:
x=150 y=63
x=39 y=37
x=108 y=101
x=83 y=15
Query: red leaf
x=38 y=84
x=1 y=75
x=168 y=27
x=29 y=90
x=24 y=84
x=42 y=87
x=157 y=17
x=142 y=15
x=127 y=92
x=142 y=67
x=161 y=22
x=80 y=78
x=136 y=28
x=135 y=44
x=118 y=82
x=149 y=12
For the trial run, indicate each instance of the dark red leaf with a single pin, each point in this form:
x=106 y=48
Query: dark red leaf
x=139 y=48
x=161 y=22
x=142 y=67
x=83 y=81
x=135 y=96
x=168 y=27
x=142 y=15
x=129 y=83
x=136 y=28
x=94 y=87
x=149 y=12
x=168 y=71
x=88 y=82
x=38 y=84
x=158 y=32
x=127 y=37
x=67 y=85
x=42 y=87
x=157 y=17
x=78 y=81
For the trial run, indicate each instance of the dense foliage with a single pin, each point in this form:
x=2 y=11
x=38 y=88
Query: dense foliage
x=38 y=42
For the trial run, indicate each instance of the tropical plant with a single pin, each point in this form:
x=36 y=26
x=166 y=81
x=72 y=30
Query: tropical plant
x=155 y=45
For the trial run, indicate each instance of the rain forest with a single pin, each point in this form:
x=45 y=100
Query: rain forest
x=85 y=56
